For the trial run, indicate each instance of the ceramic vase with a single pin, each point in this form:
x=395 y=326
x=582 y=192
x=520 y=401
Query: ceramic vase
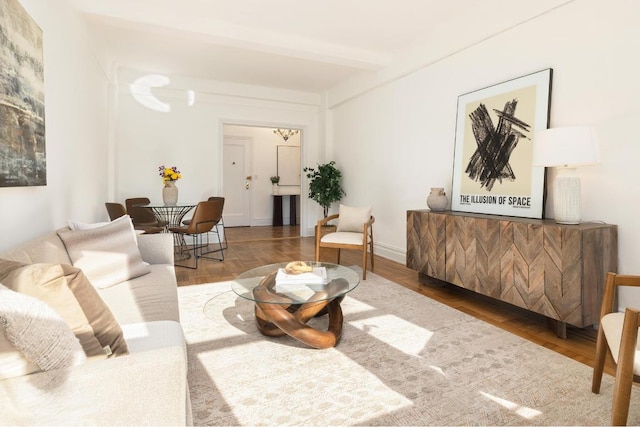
x=437 y=199
x=276 y=189
x=170 y=193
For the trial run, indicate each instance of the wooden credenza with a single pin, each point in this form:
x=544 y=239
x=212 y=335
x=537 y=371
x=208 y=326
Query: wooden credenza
x=552 y=269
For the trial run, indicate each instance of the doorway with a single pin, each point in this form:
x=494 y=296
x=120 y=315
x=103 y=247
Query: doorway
x=249 y=191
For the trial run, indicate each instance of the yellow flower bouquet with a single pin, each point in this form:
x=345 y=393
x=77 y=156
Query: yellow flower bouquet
x=169 y=174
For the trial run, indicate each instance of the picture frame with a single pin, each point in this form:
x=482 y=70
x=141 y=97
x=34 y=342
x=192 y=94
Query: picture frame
x=493 y=170
x=22 y=124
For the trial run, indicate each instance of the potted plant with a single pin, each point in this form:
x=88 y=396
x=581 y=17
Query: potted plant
x=324 y=185
x=274 y=183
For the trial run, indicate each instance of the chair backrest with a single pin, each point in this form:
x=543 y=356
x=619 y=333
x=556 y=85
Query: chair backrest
x=214 y=198
x=115 y=210
x=205 y=217
x=140 y=215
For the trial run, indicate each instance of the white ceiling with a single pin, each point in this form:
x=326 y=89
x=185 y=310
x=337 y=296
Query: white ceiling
x=294 y=44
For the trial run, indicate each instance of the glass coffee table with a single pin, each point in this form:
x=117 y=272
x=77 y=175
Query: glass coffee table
x=286 y=309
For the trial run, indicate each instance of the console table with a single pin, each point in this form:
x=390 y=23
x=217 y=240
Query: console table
x=552 y=269
x=277 y=209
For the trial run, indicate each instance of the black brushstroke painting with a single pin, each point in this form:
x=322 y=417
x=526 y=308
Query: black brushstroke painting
x=490 y=162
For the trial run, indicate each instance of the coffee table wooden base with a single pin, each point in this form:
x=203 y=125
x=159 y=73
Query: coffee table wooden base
x=280 y=319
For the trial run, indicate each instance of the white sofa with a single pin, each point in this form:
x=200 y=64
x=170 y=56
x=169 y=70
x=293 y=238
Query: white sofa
x=147 y=386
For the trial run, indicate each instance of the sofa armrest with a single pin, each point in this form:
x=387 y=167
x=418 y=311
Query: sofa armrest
x=127 y=390
x=156 y=248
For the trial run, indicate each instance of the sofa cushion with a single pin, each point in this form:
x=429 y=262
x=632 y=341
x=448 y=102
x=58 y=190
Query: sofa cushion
x=353 y=218
x=38 y=332
x=67 y=290
x=108 y=255
x=147 y=298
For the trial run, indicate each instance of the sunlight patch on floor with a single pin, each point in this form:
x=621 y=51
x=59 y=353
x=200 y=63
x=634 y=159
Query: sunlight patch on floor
x=395 y=332
x=523 y=411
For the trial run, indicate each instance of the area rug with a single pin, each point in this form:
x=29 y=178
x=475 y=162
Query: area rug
x=404 y=359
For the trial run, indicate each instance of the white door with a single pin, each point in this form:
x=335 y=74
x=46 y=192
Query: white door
x=237 y=183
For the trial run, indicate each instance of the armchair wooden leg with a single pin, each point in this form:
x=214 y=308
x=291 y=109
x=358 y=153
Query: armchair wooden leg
x=601 y=355
x=364 y=263
x=624 y=370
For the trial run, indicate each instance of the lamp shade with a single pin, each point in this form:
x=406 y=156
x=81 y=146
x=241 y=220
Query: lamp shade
x=566 y=146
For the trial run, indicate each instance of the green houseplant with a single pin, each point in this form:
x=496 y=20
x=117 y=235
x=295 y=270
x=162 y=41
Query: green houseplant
x=324 y=185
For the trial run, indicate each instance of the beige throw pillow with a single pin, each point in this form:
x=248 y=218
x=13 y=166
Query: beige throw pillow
x=38 y=332
x=67 y=290
x=352 y=219
x=107 y=255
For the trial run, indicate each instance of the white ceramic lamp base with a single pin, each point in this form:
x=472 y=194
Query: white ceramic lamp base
x=566 y=198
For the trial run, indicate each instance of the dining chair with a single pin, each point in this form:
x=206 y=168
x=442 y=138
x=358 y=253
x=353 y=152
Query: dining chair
x=206 y=217
x=617 y=336
x=116 y=210
x=354 y=231
x=224 y=234
x=140 y=215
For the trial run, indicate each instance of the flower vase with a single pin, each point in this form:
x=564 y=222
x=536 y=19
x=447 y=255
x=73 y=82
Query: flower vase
x=276 y=189
x=170 y=193
x=437 y=200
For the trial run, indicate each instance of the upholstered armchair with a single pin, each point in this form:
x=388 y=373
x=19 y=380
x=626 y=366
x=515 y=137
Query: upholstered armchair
x=354 y=231
x=618 y=336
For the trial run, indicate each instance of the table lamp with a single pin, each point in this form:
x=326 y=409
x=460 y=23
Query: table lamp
x=565 y=148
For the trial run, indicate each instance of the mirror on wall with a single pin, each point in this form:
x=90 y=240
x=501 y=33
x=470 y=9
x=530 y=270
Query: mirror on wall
x=288 y=164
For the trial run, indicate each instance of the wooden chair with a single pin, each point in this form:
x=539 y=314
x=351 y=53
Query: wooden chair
x=205 y=218
x=116 y=210
x=347 y=238
x=617 y=335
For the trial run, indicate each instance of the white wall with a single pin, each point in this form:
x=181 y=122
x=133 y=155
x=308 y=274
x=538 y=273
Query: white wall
x=395 y=141
x=77 y=131
x=190 y=135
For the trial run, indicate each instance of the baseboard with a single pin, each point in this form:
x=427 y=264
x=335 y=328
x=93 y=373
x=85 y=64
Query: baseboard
x=389 y=252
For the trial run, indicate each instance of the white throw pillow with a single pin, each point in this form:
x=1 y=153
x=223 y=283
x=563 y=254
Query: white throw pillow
x=76 y=225
x=353 y=219
x=107 y=255
x=41 y=336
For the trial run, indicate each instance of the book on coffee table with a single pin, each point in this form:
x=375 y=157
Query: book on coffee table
x=285 y=281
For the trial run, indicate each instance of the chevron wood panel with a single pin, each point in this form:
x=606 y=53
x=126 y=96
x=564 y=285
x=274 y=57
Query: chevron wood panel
x=460 y=257
x=435 y=239
x=551 y=269
x=414 y=241
x=488 y=257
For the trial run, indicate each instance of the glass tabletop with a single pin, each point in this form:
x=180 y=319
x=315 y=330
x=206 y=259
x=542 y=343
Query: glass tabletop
x=259 y=285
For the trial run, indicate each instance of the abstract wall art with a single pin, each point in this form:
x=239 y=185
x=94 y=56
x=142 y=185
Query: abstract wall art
x=22 y=130
x=493 y=171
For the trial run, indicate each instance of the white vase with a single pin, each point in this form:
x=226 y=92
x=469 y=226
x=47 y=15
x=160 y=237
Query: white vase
x=276 y=189
x=170 y=193
x=437 y=200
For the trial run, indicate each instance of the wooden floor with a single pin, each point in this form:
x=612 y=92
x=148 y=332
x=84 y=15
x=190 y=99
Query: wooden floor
x=250 y=247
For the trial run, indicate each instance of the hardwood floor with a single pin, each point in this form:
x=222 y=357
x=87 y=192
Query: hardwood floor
x=251 y=247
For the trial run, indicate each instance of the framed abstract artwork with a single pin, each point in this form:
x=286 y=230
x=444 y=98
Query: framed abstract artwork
x=22 y=131
x=493 y=171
